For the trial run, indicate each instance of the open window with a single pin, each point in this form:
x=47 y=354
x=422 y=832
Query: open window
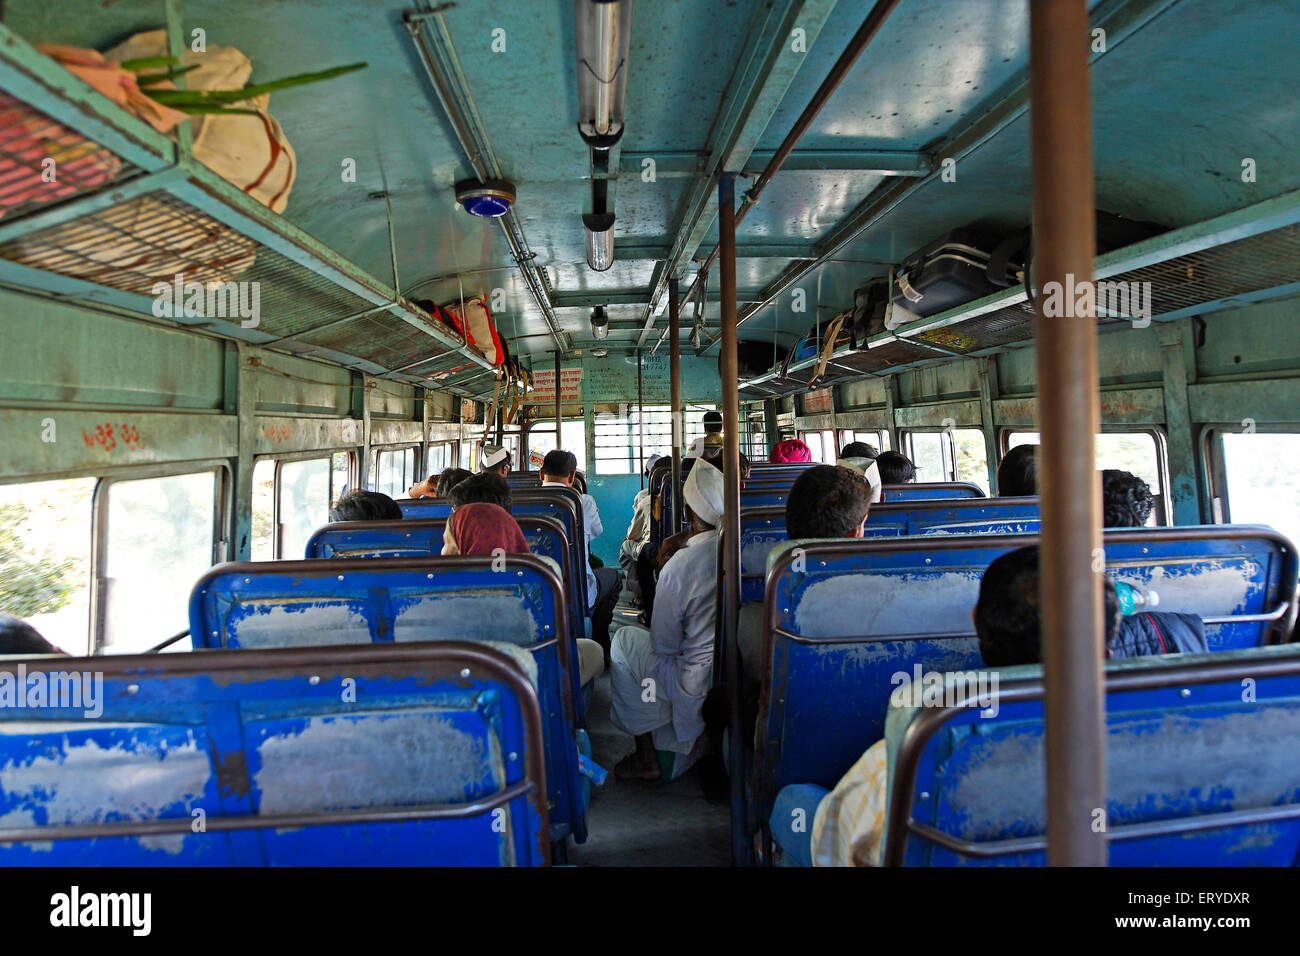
x=1140 y=452
x=292 y=498
x=952 y=454
x=1256 y=477
x=394 y=470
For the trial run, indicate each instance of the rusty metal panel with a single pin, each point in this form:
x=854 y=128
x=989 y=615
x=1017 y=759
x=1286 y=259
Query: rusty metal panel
x=933 y=416
x=1126 y=406
x=279 y=436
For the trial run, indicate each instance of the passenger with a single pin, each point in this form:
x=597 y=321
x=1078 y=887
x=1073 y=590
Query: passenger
x=482 y=528
x=790 y=451
x=580 y=482
x=494 y=458
x=895 y=469
x=1018 y=473
x=361 y=505
x=1127 y=503
x=449 y=479
x=848 y=824
x=603 y=584
x=19 y=637
x=1126 y=500
x=486 y=486
x=660 y=677
x=638 y=533
x=858 y=449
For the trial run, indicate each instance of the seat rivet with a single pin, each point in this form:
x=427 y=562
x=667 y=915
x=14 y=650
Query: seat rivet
x=313 y=679
x=340 y=577
x=1185 y=692
x=133 y=688
x=464 y=672
x=925 y=795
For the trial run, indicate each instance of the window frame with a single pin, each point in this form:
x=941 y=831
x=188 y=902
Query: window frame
x=947 y=449
x=326 y=453
x=221 y=533
x=1213 y=463
x=377 y=450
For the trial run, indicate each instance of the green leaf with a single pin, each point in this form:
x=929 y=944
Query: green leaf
x=228 y=110
x=149 y=79
x=148 y=62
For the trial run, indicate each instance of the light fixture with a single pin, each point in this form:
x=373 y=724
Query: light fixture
x=603 y=29
x=599 y=323
x=600 y=239
x=490 y=199
x=599 y=353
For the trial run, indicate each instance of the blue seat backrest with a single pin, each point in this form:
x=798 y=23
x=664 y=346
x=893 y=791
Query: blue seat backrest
x=1196 y=775
x=383 y=600
x=926 y=490
x=762 y=529
x=289 y=757
x=842 y=617
x=524 y=479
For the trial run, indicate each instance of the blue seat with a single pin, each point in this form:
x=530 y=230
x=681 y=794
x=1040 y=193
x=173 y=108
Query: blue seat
x=842 y=617
x=382 y=600
x=762 y=529
x=768 y=494
x=378 y=755
x=1196 y=775
x=524 y=479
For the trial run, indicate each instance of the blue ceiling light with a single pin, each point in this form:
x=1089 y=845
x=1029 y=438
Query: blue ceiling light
x=489 y=199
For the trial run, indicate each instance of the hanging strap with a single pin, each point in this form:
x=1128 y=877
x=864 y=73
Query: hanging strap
x=828 y=346
x=492 y=413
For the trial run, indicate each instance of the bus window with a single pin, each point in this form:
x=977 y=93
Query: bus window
x=441 y=457
x=541 y=440
x=929 y=455
x=394 y=471
x=620 y=439
x=814 y=442
x=1262 y=476
x=45 y=532
x=1134 y=452
x=972 y=458
x=879 y=440
x=157 y=539
x=262 y=546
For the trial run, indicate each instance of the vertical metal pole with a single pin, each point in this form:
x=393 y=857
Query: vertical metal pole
x=740 y=848
x=640 y=420
x=1068 y=417
x=557 y=400
x=675 y=380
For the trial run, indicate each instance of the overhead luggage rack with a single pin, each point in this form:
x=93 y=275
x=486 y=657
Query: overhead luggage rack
x=130 y=212
x=1249 y=255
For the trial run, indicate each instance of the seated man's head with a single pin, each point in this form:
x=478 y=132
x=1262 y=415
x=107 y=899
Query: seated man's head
x=858 y=449
x=19 y=637
x=703 y=495
x=1018 y=473
x=1126 y=500
x=1006 y=618
x=712 y=423
x=361 y=505
x=559 y=466
x=486 y=486
x=895 y=469
x=494 y=458
x=827 y=501
x=449 y=479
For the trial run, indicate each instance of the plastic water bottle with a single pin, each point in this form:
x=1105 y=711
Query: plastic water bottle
x=1134 y=599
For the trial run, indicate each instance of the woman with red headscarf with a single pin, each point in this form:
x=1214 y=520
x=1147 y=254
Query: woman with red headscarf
x=484 y=528
x=792 y=450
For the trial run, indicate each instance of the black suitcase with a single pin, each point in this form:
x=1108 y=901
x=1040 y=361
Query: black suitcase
x=754 y=358
x=870 y=302
x=950 y=271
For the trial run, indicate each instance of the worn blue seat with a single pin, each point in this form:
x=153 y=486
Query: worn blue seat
x=1199 y=771
x=382 y=600
x=762 y=529
x=842 y=617
x=524 y=479
x=377 y=755
x=768 y=494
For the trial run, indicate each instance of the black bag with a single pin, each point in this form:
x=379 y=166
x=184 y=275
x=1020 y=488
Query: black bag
x=954 y=269
x=869 y=305
x=752 y=358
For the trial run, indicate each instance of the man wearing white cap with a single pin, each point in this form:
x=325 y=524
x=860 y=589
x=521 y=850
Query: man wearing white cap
x=494 y=458
x=660 y=677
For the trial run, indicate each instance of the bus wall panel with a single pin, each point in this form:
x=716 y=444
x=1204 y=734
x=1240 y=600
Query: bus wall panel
x=1125 y=406
x=862 y=393
x=1250 y=403
x=392 y=400
x=443 y=406
x=1258 y=339
x=936 y=383
x=65 y=354
x=65 y=442
x=288 y=385
x=394 y=433
x=286 y=436
x=936 y=415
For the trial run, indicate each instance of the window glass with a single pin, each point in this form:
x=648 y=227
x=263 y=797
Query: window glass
x=618 y=438
x=394 y=472
x=158 y=541
x=263 y=544
x=304 y=503
x=45 y=558
x=340 y=474
x=1263 y=472
x=972 y=456
x=927 y=455
x=814 y=442
x=541 y=440
x=1134 y=452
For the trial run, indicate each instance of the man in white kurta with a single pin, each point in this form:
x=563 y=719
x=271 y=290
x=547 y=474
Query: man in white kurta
x=661 y=676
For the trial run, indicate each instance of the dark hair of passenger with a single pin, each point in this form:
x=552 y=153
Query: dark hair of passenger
x=19 y=637
x=858 y=449
x=559 y=463
x=449 y=479
x=1018 y=473
x=745 y=467
x=712 y=422
x=361 y=505
x=1006 y=618
x=1126 y=500
x=486 y=486
x=827 y=501
x=895 y=469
